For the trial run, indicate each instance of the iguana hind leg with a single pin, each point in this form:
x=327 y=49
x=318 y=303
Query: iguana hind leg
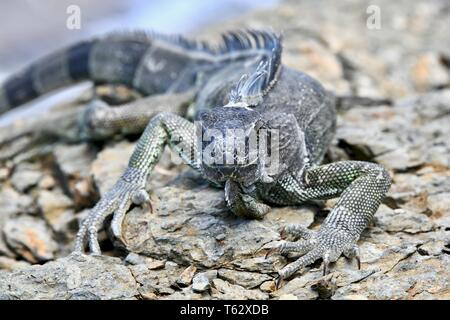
x=361 y=187
x=101 y=121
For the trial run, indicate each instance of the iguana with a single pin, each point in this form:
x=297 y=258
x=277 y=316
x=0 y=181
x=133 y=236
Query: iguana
x=236 y=85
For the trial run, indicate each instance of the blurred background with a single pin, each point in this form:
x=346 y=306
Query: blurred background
x=32 y=28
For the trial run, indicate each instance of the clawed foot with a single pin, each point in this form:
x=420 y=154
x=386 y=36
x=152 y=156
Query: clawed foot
x=328 y=243
x=129 y=189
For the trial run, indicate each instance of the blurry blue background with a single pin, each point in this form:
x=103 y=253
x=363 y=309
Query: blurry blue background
x=30 y=29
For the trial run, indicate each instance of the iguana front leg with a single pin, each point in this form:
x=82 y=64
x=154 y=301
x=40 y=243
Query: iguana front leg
x=98 y=121
x=361 y=187
x=165 y=128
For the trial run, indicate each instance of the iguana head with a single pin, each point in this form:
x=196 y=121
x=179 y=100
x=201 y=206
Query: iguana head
x=230 y=145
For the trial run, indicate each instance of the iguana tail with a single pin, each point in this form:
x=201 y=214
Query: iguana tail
x=107 y=59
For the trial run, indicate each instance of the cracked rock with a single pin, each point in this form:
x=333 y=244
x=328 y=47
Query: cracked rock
x=10 y=264
x=186 y=276
x=73 y=164
x=248 y=280
x=30 y=238
x=200 y=282
x=56 y=209
x=401 y=220
x=182 y=231
x=73 y=277
x=226 y=290
x=156 y=282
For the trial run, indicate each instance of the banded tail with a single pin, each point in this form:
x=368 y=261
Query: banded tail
x=111 y=59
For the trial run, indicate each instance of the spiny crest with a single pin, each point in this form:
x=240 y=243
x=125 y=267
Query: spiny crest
x=251 y=88
x=240 y=40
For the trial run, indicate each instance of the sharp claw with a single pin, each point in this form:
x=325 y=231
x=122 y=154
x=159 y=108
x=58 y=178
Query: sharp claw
x=117 y=230
x=117 y=221
x=353 y=252
x=141 y=197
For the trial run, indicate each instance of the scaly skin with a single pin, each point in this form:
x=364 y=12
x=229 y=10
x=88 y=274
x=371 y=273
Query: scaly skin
x=239 y=85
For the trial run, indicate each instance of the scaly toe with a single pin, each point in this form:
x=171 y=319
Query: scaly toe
x=94 y=246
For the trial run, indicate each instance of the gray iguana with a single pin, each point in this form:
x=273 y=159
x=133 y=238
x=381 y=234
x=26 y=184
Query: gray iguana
x=238 y=83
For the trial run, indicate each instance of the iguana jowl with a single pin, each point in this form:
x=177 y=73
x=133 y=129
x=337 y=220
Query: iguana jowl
x=239 y=84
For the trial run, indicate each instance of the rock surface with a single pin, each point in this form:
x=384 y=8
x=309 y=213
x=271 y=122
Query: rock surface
x=192 y=247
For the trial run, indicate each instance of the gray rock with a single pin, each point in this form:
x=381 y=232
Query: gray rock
x=73 y=163
x=30 y=238
x=10 y=264
x=170 y=265
x=110 y=164
x=300 y=288
x=11 y=203
x=73 y=277
x=186 y=294
x=432 y=248
x=25 y=176
x=156 y=283
x=439 y=205
x=248 y=280
x=185 y=226
x=200 y=282
x=401 y=220
x=134 y=259
x=56 y=208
